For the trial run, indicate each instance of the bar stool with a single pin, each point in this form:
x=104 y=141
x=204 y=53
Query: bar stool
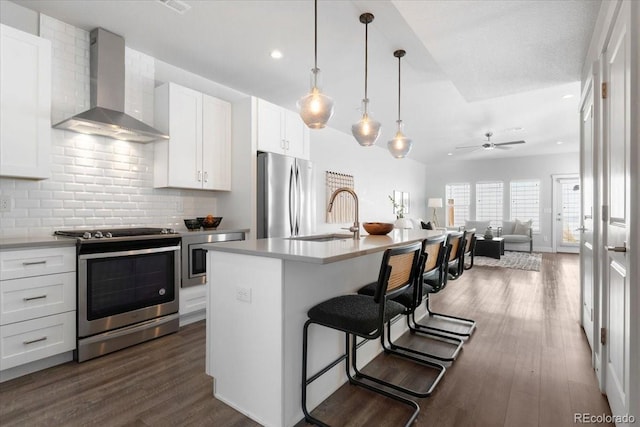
x=435 y=282
x=469 y=249
x=434 y=253
x=365 y=316
x=455 y=262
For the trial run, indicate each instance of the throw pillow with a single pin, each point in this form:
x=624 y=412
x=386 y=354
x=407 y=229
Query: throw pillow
x=426 y=226
x=522 y=227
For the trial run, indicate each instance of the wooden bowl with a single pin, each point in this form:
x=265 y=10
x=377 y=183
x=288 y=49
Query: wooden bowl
x=377 y=228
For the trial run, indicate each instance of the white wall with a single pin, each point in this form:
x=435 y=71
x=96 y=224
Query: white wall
x=536 y=167
x=376 y=175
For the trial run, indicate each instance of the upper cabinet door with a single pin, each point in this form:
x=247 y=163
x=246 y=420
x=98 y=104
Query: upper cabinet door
x=25 y=104
x=216 y=144
x=281 y=131
x=185 y=133
x=270 y=135
x=296 y=135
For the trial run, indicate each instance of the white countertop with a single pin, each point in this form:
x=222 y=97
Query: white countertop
x=40 y=241
x=321 y=252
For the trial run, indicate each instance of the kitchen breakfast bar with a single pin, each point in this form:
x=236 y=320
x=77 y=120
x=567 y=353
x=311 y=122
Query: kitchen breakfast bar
x=258 y=298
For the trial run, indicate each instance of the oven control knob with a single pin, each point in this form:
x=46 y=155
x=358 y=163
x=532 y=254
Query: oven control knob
x=86 y=235
x=171 y=231
x=164 y=231
x=108 y=235
x=98 y=235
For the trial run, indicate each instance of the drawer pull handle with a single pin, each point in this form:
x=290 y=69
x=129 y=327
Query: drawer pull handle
x=32 y=298
x=34 y=341
x=34 y=262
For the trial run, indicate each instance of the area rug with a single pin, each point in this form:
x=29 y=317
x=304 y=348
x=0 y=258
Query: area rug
x=512 y=259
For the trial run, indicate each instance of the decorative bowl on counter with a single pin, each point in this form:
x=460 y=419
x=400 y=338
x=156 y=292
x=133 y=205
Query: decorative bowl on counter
x=192 y=224
x=377 y=228
x=210 y=221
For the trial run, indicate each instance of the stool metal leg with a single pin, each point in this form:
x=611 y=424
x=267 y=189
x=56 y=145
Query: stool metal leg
x=441 y=370
x=470 y=323
x=306 y=381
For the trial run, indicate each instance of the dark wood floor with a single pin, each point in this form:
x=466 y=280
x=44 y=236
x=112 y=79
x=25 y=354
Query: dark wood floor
x=528 y=364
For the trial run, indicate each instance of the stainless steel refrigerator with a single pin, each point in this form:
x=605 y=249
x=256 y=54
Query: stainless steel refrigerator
x=285 y=196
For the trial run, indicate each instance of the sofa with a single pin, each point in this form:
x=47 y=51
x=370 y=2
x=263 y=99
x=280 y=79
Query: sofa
x=517 y=235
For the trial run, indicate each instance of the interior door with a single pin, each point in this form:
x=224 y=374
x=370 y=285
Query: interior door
x=567 y=214
x=616 y=186
x=587 y=254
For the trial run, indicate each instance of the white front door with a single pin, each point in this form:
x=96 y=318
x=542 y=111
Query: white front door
x=567 y=214
x=588 y=270
x=616 y=194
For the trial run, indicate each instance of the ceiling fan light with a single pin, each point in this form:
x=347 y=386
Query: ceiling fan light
x=400 y=145
x=367 y=130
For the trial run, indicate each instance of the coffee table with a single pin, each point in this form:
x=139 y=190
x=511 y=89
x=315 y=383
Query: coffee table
x=493 y=248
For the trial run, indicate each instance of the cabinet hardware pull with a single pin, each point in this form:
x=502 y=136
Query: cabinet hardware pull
x=32 y=298
x=34 y=262
x=206 y=176
x=583 y=228
x=617 y=248
x=199 y=176
x=34 y=341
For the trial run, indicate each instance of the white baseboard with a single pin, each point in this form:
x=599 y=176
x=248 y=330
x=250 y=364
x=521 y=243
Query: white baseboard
x=38 y=365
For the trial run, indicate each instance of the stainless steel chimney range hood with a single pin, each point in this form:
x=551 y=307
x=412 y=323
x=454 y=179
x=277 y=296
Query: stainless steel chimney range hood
x=106 y=116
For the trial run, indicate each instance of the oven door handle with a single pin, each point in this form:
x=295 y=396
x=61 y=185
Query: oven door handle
x=129 y=253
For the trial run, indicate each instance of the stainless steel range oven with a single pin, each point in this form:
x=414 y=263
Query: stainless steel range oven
x=128 y=288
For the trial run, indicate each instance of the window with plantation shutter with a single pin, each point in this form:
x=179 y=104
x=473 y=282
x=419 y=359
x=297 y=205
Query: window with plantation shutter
x=461 y=196
x=489 y=202
x=525 y=202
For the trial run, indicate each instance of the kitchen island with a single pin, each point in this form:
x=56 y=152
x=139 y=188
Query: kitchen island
x=258 y=298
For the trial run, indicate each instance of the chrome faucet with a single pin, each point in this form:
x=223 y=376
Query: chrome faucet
x=355 y=228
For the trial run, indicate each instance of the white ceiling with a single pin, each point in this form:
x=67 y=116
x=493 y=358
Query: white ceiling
x=471 y=66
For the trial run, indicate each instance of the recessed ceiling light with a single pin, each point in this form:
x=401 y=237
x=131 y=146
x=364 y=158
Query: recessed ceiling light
x=449 y=154
x=559 y=142
x=176 y=5
x=276 y=54
x=567 y=96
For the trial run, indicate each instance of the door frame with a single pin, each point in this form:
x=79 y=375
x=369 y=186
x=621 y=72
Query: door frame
x=554 y=210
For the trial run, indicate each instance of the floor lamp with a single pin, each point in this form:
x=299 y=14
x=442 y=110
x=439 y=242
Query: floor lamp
x=435 y=203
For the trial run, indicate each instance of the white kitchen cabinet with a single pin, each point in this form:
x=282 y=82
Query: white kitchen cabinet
x=193 y=304
x=198 y=152
x=37 y=304
x=25 y=104
x=281 y=131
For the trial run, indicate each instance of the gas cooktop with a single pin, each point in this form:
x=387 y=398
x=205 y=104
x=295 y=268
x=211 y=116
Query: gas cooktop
x=116 y=233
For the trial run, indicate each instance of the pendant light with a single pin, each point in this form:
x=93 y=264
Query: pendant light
x=400 y=145
x=367 y=130
x=315 y=108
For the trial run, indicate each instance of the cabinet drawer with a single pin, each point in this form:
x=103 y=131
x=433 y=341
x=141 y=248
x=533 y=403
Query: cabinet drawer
x=16 y=264
x=25 y=342
x=32 y=297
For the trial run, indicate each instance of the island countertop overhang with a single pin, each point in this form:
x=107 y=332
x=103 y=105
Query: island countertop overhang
x=321 y=252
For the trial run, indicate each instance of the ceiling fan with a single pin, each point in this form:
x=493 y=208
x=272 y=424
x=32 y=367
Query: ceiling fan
x=490 y=145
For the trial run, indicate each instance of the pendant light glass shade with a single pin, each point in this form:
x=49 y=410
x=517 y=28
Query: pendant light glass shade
x=367 y=130
x=400 y=145
x=315 y=108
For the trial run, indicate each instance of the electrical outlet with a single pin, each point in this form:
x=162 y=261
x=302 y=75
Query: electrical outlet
x=179 y=206
x=243 y=294
x=546 y=238
x=5 y=204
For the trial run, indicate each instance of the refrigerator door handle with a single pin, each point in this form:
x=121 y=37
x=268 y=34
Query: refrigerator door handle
x=298 y=200
x=292 y=190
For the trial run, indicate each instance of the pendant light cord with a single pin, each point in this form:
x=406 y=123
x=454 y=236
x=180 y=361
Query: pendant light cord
x=315 y=36
x=366 y=58
x=399 y=59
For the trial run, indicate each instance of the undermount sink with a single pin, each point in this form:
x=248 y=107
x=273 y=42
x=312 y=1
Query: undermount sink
x=323 y=237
